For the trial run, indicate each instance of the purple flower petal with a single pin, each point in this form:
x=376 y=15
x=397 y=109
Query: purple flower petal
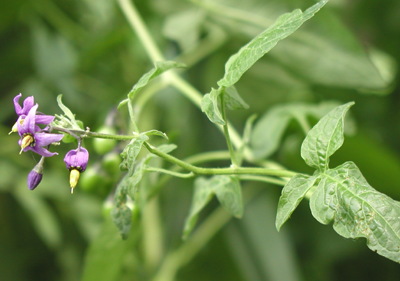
x=77 y=158
x=28 y=104
x=41 y=151
x=29 y=124
x=44 y=119
x=44 y=139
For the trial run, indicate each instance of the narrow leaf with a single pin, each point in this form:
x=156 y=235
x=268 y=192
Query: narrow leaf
x=68 y=119
x=325 y=138
x=292 y=194
x=157 y=70
x=358 y=210
x=285 y=25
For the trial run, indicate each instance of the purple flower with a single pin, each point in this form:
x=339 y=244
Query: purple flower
x=23 y=111
x=32 y=138
x=35 y=176
x=76 y=161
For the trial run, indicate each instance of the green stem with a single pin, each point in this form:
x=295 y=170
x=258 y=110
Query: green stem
x=225 y=127
x=171 y=173
x=137 y=24
x=154 y=53
x=219 y=171
x=183 y=164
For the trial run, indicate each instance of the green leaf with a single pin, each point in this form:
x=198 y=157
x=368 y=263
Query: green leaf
x=130 y=153
x=358 y=210
x=210 y=106
x=211 y=103
x=233 y=100
x=155 y=133
x=226 y=188
x=292 y=194
x=157 y=70
x=68 y=119
x=122 y=218
x=325 y=138
x=121 y=213
x=229 y=194
x=203 y=193
x=285 y=25
x=269 y=129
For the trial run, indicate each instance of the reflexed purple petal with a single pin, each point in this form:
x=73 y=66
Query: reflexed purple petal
x=18 y=108
x=41 y=151
x=44 y=119
x=28 y=104
x=77 y=158
x=44 y=139
x=34 y=178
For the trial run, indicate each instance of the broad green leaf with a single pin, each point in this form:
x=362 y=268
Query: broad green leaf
x=269 y=129
x=203 y=193
x=157 y=70
x=210 y=106
x=226 y=188
x=325 y=138
x=229 y=194
x=211 y=103
x=285 y=25
x=358 y=210
x=130 y=153
x=292 y=194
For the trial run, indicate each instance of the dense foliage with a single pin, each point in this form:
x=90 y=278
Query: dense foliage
x=209 y=124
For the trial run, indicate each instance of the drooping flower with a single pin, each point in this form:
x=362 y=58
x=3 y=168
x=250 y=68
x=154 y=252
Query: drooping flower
x=23 y=111
x=32 y=137
x=35 y=175
x=76 y=161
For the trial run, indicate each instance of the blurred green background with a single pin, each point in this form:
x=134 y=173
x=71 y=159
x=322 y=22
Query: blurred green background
x=86 y=51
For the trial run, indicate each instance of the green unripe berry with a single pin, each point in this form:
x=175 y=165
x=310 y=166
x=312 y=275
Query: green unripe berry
x=102 y=146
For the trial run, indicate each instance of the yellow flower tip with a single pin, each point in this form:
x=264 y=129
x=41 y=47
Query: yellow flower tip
x=27 y=140
x=74 y=178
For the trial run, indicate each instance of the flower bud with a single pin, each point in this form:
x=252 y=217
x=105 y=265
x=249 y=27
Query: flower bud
x=35 y=176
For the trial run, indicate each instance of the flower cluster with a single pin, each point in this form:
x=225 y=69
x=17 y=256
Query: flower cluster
x=35 y=134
